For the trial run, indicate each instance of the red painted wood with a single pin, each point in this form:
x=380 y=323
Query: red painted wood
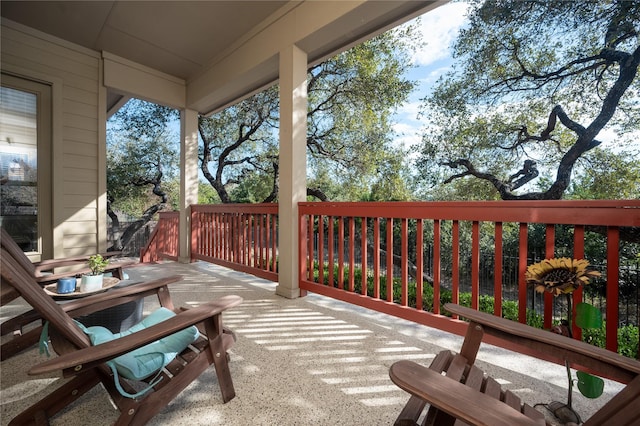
x=390 y=260
x=321 y=249
x=613 y=278
x=522 y=268
x=569 y=212
x=217 y=232
x=419 y=262
x=274 y=244
x=365 y=257
x=231 y=236
x=475 y=264
x=578 y=253
x=331 y=254
x=310 y=247
x=549 y=238
x=436 y=266
x=341 y=253
x=352 y=250
x=404 y=261
x=304 y=233
x=455 y=262
x=376 y=258
x=497 y=270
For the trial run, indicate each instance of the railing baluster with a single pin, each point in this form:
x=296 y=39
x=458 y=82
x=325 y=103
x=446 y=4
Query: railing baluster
x=321 y=249
x=404 y=261
x=578 y=253
x=331 y=254
x=549 y=253
x=455 y=262
x=364 y=256
x=419 y=262
x=341 y=252
x=475 y=264
x=352 y=252
x=376 y=257
x=310 y=247
x=436 y=266
x=389 y=259
x=522 y=269
x=497 y=270
x=613 y=278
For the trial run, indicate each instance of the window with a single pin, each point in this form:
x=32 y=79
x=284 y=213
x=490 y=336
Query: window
x=25 y=146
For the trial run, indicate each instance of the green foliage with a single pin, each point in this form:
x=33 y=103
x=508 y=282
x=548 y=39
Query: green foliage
x=590 y=386
x=350 y=155
x=206 y=194
x=607 y=175
x=627 y=339
x=97 y=264
x=513 y=63
x=588 y=316
x=141 y=156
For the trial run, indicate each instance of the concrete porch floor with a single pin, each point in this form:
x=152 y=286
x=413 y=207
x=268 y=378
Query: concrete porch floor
x=307 y=361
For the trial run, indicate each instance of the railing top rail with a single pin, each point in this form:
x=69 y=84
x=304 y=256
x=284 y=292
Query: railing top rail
x=268 y=208
x=593 y=212
x=168 y=214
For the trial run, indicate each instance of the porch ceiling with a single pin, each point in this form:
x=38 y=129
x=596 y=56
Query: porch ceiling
x=191 y=39
x=176 y=37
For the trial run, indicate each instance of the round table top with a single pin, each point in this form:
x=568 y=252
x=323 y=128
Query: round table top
x=107 y=283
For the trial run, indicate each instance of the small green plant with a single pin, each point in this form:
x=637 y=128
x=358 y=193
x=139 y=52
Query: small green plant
x=97 y=264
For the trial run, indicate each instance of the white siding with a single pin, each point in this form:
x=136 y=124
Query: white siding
x=74 y=73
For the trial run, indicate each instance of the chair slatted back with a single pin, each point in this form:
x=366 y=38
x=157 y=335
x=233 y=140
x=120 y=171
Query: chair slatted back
x=14 y=274
x=12 y=247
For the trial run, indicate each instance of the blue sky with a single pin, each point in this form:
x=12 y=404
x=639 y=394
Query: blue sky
x=439 y=29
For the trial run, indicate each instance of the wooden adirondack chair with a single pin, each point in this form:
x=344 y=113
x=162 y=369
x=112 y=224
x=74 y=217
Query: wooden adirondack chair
x=463 y=395
x=43 y=273
x=87 y=364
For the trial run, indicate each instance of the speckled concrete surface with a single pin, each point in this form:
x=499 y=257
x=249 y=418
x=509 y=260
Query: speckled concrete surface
x=307 y=361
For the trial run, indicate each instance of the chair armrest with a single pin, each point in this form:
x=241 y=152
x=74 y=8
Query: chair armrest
x=94 y=303
x=49 y=264
x=51 y=277
x=455 y=398
x=116 y=296
x=581 y=355
x=90 y=357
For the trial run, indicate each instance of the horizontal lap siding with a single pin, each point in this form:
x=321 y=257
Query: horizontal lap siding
x=41 y=57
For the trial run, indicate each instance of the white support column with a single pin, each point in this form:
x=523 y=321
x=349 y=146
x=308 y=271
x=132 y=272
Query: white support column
x=293 y=167
x=188 y=178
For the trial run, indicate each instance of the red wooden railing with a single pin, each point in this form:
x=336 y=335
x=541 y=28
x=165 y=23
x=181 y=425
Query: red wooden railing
x=332 y=233
x=163 y=242
x=243 y=237
x=394 y=237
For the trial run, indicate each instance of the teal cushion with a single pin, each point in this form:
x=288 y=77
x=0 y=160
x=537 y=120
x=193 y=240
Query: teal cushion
x=143 y=362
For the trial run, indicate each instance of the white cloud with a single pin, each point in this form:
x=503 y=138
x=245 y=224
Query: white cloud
x=439 y=28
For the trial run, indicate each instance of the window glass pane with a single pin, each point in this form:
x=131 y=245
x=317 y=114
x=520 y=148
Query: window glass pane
x=18 y=166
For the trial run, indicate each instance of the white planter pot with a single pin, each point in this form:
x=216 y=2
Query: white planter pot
x=91 y=283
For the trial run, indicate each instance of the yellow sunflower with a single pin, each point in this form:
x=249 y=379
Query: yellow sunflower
x=559 y=275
